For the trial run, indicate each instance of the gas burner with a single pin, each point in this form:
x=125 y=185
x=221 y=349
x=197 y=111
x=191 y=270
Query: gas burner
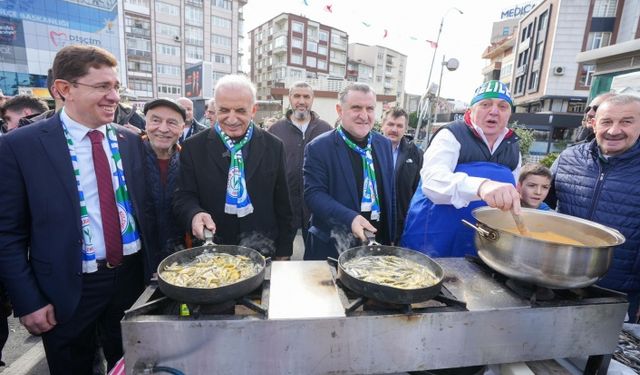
x=530 y=291
x=255 y=303
x=352 y=301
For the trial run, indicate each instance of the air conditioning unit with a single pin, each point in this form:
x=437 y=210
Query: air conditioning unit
x=558 y=70
x=176 y=38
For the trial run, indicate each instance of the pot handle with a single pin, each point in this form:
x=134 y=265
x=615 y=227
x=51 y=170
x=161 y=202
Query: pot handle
x=488 y=234
x=208 y=237
x=371 y=238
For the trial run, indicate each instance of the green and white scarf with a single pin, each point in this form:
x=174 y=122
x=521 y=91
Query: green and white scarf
x=130 y=235
x=370 y=199
x=237 y=201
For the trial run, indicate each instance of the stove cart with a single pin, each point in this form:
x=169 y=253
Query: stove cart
x=303 y=322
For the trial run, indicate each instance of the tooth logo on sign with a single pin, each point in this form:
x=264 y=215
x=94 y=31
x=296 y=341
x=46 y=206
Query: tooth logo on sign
x=58 y=39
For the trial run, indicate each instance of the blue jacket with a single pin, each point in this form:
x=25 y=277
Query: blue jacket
x=605 y=191
x=330 y=192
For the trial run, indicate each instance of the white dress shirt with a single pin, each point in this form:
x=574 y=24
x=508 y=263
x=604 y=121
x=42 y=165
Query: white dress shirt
x=439 y=182
x=88 y=182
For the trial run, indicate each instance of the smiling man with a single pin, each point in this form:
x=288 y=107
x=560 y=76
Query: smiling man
x=599 y=181
x=165 y=121
x=73 y=220
x=299 y=127
x=348 y=179
x=232 y=177
x=469 y=163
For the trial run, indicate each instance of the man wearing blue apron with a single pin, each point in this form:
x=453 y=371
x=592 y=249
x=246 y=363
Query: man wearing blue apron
x=469 y=163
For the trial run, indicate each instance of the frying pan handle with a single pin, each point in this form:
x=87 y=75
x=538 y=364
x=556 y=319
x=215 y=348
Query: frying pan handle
x=332 y=261
x=371 y=238
x=208 y=237
x=486 y=233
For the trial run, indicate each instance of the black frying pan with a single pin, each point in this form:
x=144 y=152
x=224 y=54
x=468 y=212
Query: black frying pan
x=385 y=293
x=211 y=295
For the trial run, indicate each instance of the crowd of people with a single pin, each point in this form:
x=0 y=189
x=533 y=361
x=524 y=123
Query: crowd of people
x=94 y=195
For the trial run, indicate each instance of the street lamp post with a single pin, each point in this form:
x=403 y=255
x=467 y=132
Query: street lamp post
x=425 y=102
x=451 y=65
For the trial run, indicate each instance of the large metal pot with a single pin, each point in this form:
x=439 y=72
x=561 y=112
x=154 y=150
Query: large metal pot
x=211 y=295
x=385 y=293
x=545 y=263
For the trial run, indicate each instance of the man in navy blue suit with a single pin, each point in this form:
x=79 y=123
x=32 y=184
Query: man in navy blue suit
x=72 y=222
x=348 y=179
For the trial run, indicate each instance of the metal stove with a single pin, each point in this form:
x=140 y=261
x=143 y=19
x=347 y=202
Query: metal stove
x=307 y=328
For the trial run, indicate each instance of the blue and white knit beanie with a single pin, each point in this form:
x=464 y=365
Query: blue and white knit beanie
x=492 y=90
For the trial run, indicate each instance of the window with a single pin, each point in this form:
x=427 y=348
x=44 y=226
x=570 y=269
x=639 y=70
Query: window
x=194 y=35
x=297 y=27
x=537 y=53
x=323 y=36
x=168 y=70
x=140 y=85
x=322 y=50
x=217 y=76
x=311 y=62
x=296 y=58
x=598 y=40
x=312 y=46
x=296 y=43
x=279 y=42
x=296 y=74
x=533 y=80
x=137 y=26
x=542 y=21
x=167 y=50
x=168 y=9
x=139 y=66
x=605 y=8
x=220 y=58
x=586 y=74
x=224 y=4
x=193 y=16
x=142 y=3
x=221 y=22
x=221 y=41
x=322 y=64
x=139 y=44
x=505 y=31
x=169 y=89
x=506 y=71
x=193 y=52
x=167 y=30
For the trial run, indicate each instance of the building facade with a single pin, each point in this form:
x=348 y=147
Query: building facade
x=614 y=63
x=163 y=39
x=289 y=48
x=389 y=68
x=155 y=41
x=32 y=32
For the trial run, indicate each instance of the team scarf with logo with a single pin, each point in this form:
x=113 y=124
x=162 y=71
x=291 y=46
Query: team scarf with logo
x=130 y=235
x=237 y=201
x=370 y=199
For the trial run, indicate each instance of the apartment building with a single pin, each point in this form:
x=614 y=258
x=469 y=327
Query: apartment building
x=289 y=48
x=164 y=38
x=611 y=51
x=387 y=76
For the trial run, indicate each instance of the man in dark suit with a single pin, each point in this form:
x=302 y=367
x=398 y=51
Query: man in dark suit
x=72 y=221
x=407 y=161
x=191 y=125
x=348 y=179
x=232 y=177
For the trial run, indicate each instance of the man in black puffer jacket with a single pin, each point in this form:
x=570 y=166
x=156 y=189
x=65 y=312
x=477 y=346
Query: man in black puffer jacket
x=600 y=181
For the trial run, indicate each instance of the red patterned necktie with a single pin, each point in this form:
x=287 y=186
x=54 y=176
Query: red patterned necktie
x=108 y=209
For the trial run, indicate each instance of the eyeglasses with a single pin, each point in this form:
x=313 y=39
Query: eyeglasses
x=590 y=107
x=103 y=88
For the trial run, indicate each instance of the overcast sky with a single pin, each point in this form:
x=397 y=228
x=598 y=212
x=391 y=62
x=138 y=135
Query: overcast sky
x=463 y=36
